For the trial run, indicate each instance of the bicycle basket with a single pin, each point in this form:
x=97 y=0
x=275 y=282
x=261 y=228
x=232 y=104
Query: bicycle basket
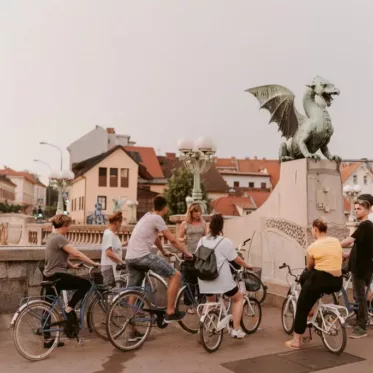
x=103 y=277
x=252 y=281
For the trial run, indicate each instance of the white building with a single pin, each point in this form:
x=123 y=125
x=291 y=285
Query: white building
x=96 y=142
x=357 y=173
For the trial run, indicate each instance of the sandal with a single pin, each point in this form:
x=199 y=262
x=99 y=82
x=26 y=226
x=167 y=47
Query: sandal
x=290 y=345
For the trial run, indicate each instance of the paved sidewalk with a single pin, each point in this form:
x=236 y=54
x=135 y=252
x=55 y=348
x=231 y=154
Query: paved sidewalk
x=172 y=350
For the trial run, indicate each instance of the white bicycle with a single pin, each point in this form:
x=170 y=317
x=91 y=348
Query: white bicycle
x=328 y=320
x=215 y=316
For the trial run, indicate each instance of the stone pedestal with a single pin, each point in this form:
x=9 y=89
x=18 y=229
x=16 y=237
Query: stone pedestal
x=281 y=228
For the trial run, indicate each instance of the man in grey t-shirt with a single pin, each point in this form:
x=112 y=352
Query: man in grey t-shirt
x=139 y=258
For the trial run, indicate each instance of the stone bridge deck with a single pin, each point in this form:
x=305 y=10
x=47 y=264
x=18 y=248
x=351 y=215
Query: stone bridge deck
x=172 y=350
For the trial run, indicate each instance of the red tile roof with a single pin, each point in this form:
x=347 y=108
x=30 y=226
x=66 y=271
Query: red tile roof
x=147 y=158
x=250 y=200
x=29 y=177
x=347 y=169
x=6 y=180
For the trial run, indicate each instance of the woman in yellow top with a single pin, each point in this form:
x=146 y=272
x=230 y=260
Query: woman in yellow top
x=324 y=276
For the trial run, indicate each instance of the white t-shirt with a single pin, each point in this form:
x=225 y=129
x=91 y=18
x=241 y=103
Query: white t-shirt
x=144 y=235
x=111 y=240
x=224 y=252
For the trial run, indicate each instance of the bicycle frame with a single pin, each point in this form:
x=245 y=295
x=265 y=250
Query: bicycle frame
x=223 y=322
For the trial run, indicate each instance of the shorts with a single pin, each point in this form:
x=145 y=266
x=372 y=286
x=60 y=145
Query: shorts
x=138 y=267
x=230 y=293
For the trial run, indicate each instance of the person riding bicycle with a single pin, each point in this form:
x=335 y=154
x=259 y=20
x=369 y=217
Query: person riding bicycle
x=112 y=248
x=57 y=251
x=139 y=258
x=323 y=275
x=224 y=283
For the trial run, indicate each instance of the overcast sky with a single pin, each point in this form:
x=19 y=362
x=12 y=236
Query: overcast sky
x=160 y=70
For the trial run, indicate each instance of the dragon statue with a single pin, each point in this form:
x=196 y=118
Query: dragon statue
x=305 y=135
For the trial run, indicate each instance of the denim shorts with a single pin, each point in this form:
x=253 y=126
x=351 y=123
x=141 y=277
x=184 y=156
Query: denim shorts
x=138 y=267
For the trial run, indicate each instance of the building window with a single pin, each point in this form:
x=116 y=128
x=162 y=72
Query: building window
x=236 y=184
x=263 y=185
x=102 y=201
x=114 y=177
x=102 y=177
x=365 y=179
x=251 y=184
x=354 y=179
x=124 y=177
x=80 y=203
x=83 y=203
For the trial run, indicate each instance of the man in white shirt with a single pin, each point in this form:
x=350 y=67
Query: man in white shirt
x=139 y=257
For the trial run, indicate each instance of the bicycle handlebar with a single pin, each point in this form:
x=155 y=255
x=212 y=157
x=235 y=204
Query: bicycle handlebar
x=284 y=265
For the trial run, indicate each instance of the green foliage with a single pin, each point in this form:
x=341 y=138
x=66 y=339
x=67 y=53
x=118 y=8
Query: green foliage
x=6 y=207
x=180 y=186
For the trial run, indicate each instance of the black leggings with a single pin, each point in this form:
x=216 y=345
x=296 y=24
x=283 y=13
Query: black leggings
x=316 y=283
x=68 y=281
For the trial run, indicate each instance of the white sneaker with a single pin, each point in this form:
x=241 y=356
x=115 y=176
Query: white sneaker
x=238 y=333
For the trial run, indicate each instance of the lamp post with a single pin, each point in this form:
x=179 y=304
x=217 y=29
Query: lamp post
x=352 y=192
x=132 y=217
x=62 y=179
x=48 y=189
x=197 y=158
x=54 y=146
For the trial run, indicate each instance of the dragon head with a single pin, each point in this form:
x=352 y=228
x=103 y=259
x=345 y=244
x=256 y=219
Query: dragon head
x=324 y=90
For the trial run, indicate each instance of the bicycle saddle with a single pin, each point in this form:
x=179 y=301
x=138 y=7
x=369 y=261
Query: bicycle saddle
x=49 y=283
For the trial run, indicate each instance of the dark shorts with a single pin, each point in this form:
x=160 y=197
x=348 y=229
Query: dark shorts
x=138 y=267
x=230 y=293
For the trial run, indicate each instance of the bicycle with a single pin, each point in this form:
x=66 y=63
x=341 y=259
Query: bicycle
x=215 y=316
x=352 y=306
x=132 y=308
x=327 y=320
x=261 y=294
x=50 y=316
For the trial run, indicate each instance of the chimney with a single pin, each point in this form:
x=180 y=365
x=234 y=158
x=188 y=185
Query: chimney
x=110 y=130
x=247 y=158
x=171 y=155
x=255 y=157
x=264 y=158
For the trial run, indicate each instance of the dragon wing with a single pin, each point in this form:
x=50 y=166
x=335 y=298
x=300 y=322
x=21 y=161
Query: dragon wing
x=279 y=101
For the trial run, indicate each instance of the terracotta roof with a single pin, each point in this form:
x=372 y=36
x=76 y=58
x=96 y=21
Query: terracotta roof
x=248 y=200
x=83 y=167
x=251 y=165
x=347 y=169
x=147 y=157
x=10 y=172
x=6 y=180
x=212 y=179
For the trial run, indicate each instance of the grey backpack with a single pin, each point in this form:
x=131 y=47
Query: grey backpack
x=205 y=263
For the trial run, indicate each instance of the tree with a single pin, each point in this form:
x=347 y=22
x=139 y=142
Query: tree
x=180 y=186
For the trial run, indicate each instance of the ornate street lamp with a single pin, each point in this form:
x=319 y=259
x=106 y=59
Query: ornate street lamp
x=352 y=193
x=62 y=179
x=197 y=158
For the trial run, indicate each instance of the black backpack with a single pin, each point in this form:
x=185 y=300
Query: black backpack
x=205 y=263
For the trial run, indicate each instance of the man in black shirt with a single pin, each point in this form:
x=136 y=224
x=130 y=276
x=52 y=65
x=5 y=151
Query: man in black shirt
x=360 y=263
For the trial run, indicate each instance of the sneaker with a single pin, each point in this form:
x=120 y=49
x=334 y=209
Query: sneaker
x=49 y=344
x=177 y=316
x=358 y=333
x=136 y=336
x=238 y=333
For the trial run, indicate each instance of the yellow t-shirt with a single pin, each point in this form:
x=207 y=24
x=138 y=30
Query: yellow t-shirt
x=327 y=253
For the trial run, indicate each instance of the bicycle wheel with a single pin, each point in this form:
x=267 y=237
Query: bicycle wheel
x=97 y=314
x=157 y=290
x=288 y=315
x=28 y=334
x=188 y=300
x=334 y=330
x=251 y=315
x=129 y=321
x=208 y=330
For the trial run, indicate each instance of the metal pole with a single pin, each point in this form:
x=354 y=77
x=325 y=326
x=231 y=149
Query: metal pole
x=54 y=146
x=48 y=201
